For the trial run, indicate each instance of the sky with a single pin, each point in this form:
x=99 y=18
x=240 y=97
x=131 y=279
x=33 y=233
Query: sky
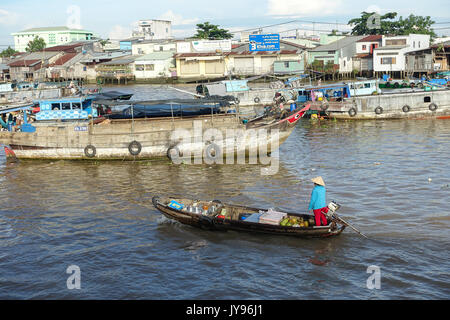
x=116 y=19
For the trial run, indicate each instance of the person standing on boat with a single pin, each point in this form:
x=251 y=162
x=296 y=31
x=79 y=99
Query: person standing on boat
x=318 y=201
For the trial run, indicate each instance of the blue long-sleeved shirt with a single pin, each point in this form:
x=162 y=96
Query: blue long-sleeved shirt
x=318 y=198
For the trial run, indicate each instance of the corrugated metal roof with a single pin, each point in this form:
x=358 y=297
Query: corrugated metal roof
x=65 y=58
x=196 y=54
x=262 y=52
x=241 y=53
x=371 y=38
x=161 y=55
x=390 y=48
x=120 y=61
x=245 y=46
x=24 y=63
x=445 y=44
x=97 y=56
x=54 y=29
x=67 y=47
x=363 y=55
x=42 y=55
x=132 y=39
x=339 y=44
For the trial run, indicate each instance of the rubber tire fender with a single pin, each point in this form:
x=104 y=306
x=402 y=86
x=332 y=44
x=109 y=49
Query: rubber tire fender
x=217 y=152
x=134 y=145
x=378 y=110
x=257 y=100
x=178 y=152
x=352 y=112
x=406 y=108
x=90 y=151
x=433 y=107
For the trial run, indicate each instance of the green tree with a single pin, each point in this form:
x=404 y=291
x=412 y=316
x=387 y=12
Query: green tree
x=104 y=42
x=415 y=24
x=317 y=65
x=329 y=66
x=211 y=31
x=7 y=52
x=366 y=25
x=37 y=44
x=361 y=26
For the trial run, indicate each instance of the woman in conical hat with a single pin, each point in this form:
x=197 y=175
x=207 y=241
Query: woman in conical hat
x=319 y=181
x=318 y=201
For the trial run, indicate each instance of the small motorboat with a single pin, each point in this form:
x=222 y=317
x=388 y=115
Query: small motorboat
x=215 y=215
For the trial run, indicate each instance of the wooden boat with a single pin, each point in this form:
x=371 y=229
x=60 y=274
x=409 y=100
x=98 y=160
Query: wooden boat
x=223 y=217
x=81 y=134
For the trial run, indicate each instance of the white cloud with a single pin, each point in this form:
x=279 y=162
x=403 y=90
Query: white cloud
x=297 y=8
x=119 y=32
x=177 y=19
x=373 y=8
x=8 y=18
x=74 y=17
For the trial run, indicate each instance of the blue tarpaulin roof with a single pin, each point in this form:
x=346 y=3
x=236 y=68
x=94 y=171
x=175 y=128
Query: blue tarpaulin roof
x=165 y=110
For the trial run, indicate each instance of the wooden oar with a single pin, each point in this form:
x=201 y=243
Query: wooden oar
x=345 y=223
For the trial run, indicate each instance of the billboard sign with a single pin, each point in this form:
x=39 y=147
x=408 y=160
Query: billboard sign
x=264 y=42
x=211 y=45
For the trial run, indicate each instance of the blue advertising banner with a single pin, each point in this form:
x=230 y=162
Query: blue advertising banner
x=264 y=42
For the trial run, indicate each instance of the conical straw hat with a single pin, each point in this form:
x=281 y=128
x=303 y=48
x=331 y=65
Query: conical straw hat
x=319 y=181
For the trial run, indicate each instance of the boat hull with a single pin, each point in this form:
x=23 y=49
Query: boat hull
x=141 y=139
x=218 y=224
x=404 y=105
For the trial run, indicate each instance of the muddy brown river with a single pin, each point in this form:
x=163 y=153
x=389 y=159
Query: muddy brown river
x=392 y=179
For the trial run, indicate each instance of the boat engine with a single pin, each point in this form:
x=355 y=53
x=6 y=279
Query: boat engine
x=332 y=208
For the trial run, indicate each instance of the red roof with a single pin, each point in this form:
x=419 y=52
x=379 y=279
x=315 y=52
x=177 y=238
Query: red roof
x=63 y=59
x=244 y=53
x=371 y=38
x=445 y=44
x=24 y=63
x=363 y=55
x=196 y=54
x=65 y=48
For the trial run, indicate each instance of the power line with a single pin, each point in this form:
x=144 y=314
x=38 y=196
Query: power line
x=289 y=22
x=314 y=30
x=307 y=21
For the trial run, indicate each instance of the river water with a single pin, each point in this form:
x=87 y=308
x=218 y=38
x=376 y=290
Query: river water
x=392 y=179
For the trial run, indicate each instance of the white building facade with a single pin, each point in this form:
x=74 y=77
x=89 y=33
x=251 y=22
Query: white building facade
x=154 y=29
x=149 y=46
x=391 y=56
x=53 y=36
x=154 y=65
